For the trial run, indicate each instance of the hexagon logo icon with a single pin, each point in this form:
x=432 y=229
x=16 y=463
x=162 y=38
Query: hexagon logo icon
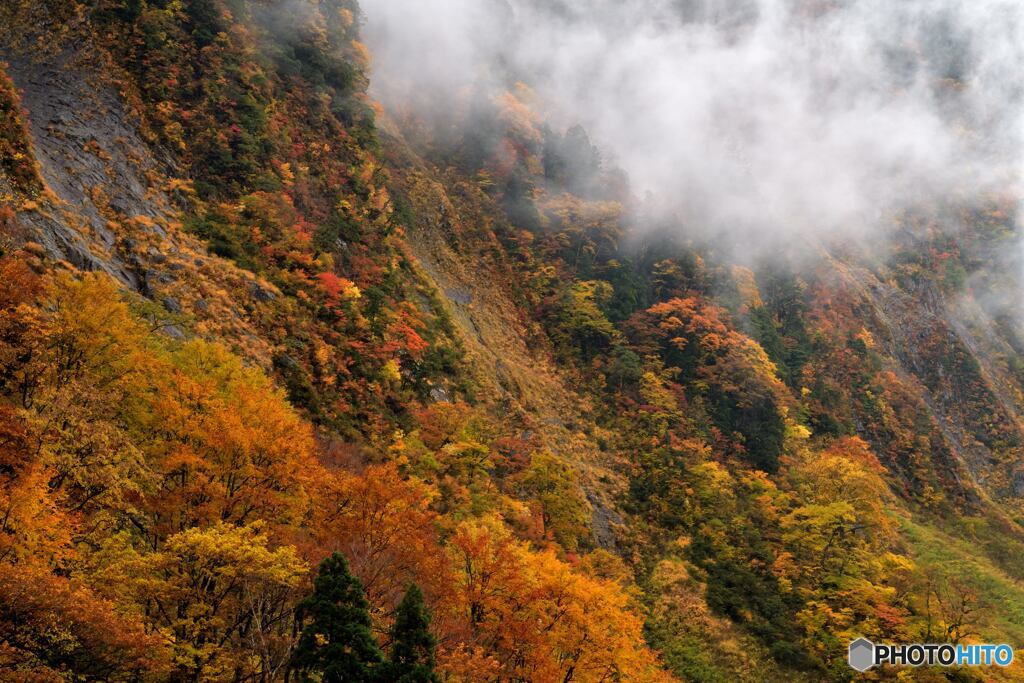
x=861 y=654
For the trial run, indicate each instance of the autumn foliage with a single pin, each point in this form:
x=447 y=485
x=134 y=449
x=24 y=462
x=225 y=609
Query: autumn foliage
x=425 y=394
x=169 y=492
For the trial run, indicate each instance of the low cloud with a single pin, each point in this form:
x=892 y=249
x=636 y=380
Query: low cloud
x=759 y=120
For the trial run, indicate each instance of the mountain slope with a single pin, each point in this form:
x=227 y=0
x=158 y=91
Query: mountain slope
x=250 y=319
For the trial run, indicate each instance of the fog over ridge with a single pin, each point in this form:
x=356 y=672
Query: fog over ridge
x=758 y=118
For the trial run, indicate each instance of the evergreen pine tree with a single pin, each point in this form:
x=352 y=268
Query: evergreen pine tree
x=411 y=659
x=336 y=640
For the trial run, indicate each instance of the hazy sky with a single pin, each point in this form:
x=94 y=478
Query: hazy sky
x=777 y=118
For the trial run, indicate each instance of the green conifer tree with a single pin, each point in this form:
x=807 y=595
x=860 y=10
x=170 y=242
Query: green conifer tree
x=411 y=659
x=336 y=641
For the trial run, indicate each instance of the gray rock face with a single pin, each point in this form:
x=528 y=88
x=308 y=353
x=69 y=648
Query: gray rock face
x=462 y=298
x=440 y=395
x=92 y=157
x=1018 y=484
x=261 y=293
x=172 y=305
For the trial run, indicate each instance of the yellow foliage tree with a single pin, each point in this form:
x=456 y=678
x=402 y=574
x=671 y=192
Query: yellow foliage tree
x=542 y=620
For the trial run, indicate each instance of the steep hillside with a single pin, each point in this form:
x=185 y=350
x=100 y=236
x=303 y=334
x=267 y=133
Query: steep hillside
x=259 y=336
